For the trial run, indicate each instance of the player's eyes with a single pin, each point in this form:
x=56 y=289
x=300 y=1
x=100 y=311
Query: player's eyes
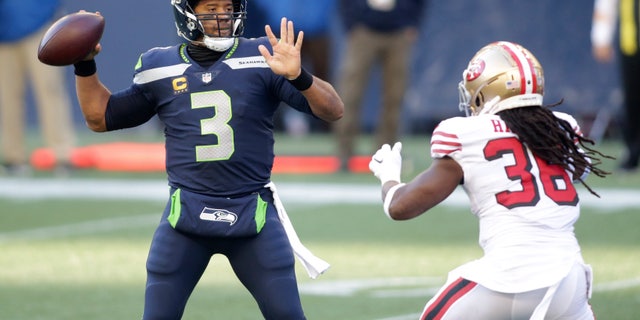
x=214 y=16
x=216 y=9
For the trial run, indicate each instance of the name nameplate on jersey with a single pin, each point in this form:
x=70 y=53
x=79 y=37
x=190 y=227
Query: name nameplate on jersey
x=246 y=62
x=208 y=216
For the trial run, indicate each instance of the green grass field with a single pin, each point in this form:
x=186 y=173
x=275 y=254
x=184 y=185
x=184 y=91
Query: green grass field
x=84 y=257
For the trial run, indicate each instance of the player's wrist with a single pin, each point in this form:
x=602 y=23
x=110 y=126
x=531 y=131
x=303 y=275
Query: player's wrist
x=386 y=203
x=388 y=176
x=85 y=68
x=303 y=81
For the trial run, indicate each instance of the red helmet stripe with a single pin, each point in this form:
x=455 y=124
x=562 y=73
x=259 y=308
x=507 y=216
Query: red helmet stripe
x=534 y=79
x=528 y=81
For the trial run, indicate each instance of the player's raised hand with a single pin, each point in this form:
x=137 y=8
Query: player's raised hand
x=386 y=163
x=285 y=60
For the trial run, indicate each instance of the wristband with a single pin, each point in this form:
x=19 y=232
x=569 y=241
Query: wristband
x=303 y=81
x=389 y=196
x=85 y=68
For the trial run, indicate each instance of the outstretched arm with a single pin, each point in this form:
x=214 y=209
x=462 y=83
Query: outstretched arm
x=286 y=61
x=406 y=201
x=92 y=97
x=92 y=94
x=425 y=191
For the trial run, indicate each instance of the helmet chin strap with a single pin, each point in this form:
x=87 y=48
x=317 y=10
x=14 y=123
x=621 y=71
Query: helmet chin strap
x=489 y=106
x=496 y=105
x=221 y=44
x=218 y=44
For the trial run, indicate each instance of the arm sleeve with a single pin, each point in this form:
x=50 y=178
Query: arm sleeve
x=444 y=140
x=128 y=108
x=291 y=96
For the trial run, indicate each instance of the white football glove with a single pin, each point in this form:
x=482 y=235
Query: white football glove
x=386 y=163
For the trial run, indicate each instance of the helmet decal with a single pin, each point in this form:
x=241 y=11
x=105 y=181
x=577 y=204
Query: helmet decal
x=475 y=69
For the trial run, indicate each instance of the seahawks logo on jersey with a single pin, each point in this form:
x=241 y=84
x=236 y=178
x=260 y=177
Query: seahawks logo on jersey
x=218 y=215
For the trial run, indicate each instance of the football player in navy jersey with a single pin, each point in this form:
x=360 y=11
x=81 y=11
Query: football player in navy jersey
x=216 y=95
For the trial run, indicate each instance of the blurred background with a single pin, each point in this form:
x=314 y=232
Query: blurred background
x=52 y=227
x=557 y=32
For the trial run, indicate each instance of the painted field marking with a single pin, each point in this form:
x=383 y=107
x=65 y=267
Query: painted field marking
x=81 y=228
x=412 y=316
x=416 y=287
x=616 y=285
x=308 y=193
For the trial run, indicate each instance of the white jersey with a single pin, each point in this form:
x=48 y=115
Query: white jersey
x=526 y=207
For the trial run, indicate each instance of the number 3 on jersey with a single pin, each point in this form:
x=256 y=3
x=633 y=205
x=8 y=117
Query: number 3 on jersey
x=555 y=182
x=217 y=125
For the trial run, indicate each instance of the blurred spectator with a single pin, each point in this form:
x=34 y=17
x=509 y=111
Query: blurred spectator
x=22 y=25
x=605 y=16
x=313 y=17
x=379 y=32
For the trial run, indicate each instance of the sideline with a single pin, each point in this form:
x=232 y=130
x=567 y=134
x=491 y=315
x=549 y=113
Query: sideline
x=309 y=193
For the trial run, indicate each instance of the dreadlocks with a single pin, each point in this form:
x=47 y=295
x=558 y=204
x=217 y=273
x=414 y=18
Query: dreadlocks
x=555 y=141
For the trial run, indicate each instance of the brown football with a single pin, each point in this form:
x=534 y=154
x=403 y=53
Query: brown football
x=71 y=38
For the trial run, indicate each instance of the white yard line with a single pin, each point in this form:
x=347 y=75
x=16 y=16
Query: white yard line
x=157 y=190
x=413 y=286
x=81 y=228
x=411 y=316
x=310 y=193
x=616 y=285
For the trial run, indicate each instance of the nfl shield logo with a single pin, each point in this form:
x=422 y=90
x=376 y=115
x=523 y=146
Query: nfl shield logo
x=206 y=77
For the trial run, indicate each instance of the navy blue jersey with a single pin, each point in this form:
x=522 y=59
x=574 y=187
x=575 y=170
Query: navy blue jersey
x=218 y=119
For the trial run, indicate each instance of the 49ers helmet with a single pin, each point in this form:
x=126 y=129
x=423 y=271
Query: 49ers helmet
x=500 y=76
x=189 y=25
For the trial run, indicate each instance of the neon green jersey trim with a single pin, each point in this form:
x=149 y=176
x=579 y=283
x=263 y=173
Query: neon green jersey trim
x=261 y=214
x=176 y=208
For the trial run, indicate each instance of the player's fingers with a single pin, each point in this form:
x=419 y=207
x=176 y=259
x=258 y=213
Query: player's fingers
x=94 y=52
x=264 y=52
x=290 y=33
x=299 y=41
x=381 y=153
x=272 y=37
x=397 y=147
x=283 y=29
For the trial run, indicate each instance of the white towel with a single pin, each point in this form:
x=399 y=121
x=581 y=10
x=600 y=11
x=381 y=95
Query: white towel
x=314 y=265
x=541 y=310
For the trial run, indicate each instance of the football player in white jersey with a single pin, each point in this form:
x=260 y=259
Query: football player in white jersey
x=517 y=161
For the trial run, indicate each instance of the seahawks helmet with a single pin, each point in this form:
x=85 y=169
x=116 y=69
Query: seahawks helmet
x=189 y=25
x=502 y=75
